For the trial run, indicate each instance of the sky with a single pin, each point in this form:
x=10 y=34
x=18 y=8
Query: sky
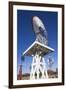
x=26 y=35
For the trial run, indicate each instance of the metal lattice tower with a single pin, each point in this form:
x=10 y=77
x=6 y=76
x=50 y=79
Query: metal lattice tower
x=20 y=72
x=38 y=67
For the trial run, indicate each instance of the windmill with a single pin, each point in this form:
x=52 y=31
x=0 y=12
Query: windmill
x=50 y=62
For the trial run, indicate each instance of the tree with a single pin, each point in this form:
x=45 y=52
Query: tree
x=22 y=58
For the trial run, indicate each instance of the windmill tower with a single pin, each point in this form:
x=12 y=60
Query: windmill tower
x=38 y=50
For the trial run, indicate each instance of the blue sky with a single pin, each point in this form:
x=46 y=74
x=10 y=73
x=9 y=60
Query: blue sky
x=26 y=36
